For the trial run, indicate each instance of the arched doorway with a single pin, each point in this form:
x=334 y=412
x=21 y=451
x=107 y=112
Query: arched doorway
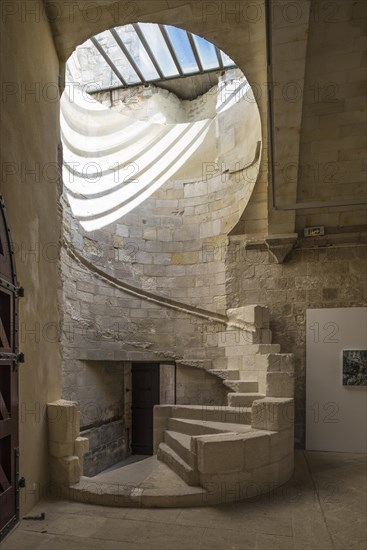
x=9 y=359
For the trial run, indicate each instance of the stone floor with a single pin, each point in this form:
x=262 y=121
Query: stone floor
x=143 y=482
x=323 y=507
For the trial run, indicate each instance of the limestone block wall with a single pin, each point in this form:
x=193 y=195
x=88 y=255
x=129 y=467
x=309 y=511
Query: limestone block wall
x=159 y=105
x=251 y=463
x=99 y=389
x=333 y=137
x=328 y=104
x=102 y=390
x=326 y=116
x=196 y=386
x=104 y=327
x=29 y=143
x=312 y=277
x=163 y=247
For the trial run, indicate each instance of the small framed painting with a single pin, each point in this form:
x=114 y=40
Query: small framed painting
x=355 y=367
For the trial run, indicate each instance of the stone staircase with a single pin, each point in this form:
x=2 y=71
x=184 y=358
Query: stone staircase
x=206 y=454
x=249 y=442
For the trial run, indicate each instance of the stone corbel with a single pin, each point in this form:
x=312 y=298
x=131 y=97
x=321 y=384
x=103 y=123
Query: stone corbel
x=280 y=246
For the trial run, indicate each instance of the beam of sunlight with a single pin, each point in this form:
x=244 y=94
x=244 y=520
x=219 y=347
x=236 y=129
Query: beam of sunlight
x=91 y=225
x=112 y=162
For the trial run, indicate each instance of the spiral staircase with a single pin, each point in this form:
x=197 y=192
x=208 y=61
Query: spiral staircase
x=203 y=454
x=249 y=442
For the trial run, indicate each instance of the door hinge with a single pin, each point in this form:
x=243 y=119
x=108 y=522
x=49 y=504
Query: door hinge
x=20 y=358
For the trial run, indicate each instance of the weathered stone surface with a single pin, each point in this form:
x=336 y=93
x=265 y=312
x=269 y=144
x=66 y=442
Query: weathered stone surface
x=255 y=315
x=220 y=453
x=102 y=457
x=266 y=477
x=285 y=468
x=63 y=422
x=275 y=362
x=276 y=384
x=280 y=245
x=320 y=141
x=256 y=450
x=161 y=415
x=60 y=450
x=107 y=444
x=273 y=414
x=81 y=446
x=65 y=470
x=281 y=444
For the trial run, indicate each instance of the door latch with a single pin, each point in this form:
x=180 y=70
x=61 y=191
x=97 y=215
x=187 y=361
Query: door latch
x=20 y=292
x=21 y=483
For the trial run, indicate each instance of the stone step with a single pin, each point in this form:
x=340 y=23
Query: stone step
x=181 y=444
x=219 y=363
x=240 y=350
x=269 y=348
x=243 y=399
x=177 y=464
x=245 y=337
x=226 y=374
x=197 y=427
x=212 y=413
x=204 y=364
x=248 y=375
x=243 y=386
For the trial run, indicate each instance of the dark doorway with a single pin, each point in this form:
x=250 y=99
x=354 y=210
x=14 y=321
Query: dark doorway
x=145 y=394
x=9 y=292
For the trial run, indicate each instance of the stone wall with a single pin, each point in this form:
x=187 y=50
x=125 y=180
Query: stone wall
x=196 y=386
x=98 y=387
x=31 y=127
x=314 y=276
x=154 y=104
x=102 y=322
x=159 y=245
x=233 y=27
x=333 y=139
x=30 y=185
x=215 y=275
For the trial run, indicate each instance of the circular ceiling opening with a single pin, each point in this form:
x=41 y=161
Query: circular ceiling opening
x=145 y=104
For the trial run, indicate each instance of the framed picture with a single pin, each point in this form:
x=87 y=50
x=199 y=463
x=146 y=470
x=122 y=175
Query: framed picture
x=355 y=367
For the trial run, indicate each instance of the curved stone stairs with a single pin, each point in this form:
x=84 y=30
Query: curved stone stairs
x=206 y=454
x=249 y=442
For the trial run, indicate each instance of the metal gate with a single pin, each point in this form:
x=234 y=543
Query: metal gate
x=9 y=360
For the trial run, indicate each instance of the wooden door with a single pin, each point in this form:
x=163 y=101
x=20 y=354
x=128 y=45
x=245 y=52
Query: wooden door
x=145 y=394
x=9 y=358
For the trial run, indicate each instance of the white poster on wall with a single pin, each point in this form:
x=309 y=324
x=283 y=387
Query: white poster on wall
x=336 y=404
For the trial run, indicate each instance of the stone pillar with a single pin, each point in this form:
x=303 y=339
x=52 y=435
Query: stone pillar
x=66 y=447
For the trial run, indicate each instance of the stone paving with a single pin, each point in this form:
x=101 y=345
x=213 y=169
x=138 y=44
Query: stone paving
x=323 y=507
